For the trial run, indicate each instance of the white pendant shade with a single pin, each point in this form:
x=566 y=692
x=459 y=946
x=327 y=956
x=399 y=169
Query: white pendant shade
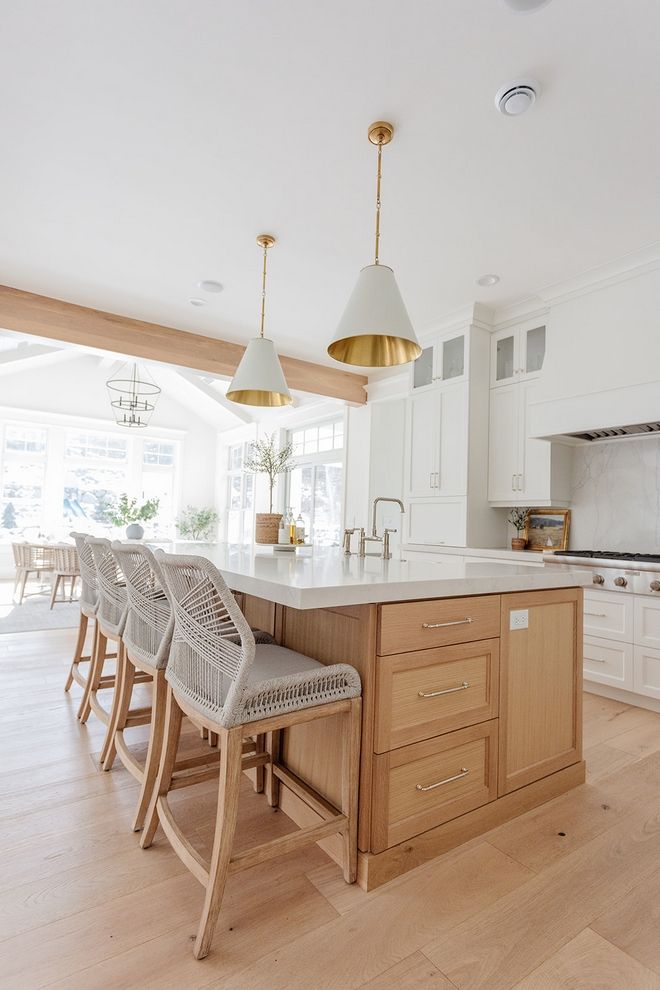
x=375 y=330
x=259 y=379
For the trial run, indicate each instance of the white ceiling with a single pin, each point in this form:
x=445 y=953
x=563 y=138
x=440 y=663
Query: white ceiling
x=145 y=144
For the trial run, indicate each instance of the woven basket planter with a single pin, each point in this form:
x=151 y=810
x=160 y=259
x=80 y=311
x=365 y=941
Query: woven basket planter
x=266 y=527
x=517 y=543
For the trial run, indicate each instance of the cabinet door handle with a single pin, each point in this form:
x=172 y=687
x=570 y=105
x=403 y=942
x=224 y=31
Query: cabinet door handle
x=594 y=660
x=599 y=615
x=429 y=787
x=437 y=479
x=441 y=625
x=436 y=694
x=522 y=482
x=431 y=479
x=513 y=482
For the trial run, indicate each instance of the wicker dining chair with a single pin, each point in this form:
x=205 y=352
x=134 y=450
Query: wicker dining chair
x=110 y=619
x=65 y=565
x=88 y=602
x=30 y=558
x=223 y=681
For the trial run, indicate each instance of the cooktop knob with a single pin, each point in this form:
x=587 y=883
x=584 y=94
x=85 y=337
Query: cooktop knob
x=655 y=586
x=598 y=579
x=620 y=582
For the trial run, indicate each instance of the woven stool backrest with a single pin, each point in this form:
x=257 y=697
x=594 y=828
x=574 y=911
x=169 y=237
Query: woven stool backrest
x=148 y=631
x=65 y=560
x=89 y=592
x=113 y=597
x=213 y=647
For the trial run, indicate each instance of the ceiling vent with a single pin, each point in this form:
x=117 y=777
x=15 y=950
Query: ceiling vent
x=515 y=98
x=617 y=432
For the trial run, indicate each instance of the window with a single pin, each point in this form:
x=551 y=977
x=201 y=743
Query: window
x=157 y=452
x=23 y=481
x=316 y=483
x=240 y=496
x=95 y=473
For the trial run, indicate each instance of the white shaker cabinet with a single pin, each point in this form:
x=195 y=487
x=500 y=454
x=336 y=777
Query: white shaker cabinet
x=517 y=354
x=522 y=470
x=436 y=447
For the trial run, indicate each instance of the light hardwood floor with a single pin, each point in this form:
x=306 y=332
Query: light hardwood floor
x=566 y=897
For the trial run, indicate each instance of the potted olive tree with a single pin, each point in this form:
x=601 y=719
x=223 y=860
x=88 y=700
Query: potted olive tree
x=518 y=519
x=266 y=458
x=130 y=513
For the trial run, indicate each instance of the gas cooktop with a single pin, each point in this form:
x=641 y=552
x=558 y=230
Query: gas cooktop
x=608 y=555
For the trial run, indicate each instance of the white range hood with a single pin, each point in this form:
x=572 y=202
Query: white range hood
x=601 y=375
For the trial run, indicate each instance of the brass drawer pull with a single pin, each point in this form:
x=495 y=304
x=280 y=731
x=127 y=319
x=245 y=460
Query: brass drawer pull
x=429 y=787
x=594 y=660
x=599 y=615
x=439 y=625
x=436 y=694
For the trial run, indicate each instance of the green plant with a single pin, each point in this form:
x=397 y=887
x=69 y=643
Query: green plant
x=265 y=458
x=197 y=524
x=518 y=518
x=125 y=510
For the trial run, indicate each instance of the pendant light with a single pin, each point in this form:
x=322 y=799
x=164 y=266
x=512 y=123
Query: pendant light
x=259 y=379
x=133 y=394
x=375 y=330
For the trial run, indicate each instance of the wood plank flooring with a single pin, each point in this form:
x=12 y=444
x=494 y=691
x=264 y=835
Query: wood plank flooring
x=566 y=897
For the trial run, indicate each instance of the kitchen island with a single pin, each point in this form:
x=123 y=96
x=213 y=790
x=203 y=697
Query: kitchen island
x=472 y=689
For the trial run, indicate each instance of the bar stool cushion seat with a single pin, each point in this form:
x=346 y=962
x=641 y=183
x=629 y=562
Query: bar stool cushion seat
x=280 y=680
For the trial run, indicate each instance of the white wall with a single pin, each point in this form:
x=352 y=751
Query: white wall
x=615 y=496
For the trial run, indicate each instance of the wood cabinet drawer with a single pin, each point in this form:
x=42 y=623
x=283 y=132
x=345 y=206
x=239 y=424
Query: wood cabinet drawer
x=408 y=626
x=425 y=693
x=608 y=662
x=423 y=785
x=609 y=615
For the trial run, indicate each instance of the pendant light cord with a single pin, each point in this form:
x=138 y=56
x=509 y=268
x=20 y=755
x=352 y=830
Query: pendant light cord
x=263 y=293
x=378 y=178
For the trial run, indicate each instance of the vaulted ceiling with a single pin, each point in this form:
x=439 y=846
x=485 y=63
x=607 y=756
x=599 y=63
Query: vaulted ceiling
x=146 y=144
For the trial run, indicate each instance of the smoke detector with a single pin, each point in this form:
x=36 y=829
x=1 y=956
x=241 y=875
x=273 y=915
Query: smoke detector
x=516 y=97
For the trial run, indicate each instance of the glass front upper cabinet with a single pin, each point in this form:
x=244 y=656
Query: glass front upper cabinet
x=517 y=354
x=441 y=362
x=534 y=350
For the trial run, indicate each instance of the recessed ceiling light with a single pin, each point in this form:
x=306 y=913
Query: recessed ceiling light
x=525 y=6
x=197 y=302
x=514 y=98
x=210 y=285
x=487 y=280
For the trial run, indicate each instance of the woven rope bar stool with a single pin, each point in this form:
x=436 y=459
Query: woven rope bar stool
x=110 y=620
x=88 y=605
x=224 y=682
x=65 y=565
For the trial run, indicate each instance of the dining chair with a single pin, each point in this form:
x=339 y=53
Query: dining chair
x=65 y=566
x=30 y=558
x=223 y=681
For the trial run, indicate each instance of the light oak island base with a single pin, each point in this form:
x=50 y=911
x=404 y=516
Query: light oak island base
x=467 y=722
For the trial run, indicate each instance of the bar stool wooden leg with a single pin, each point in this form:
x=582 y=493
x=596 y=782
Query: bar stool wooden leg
x=231 y=749
x=158 y=713
x=53 y=594
x=172 y=732
x=94 y=679
x=350 y=777
x=260 y=772
x=80 y=645
x=124 y=681
x=273 y=746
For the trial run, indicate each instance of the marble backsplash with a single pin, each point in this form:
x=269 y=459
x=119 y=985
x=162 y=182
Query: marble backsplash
x=615 y=499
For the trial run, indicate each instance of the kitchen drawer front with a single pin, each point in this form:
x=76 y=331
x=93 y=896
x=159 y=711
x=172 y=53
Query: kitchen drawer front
x=647 y=622
x=608 y=615
x=409 y=626
x=646 y=678
x=422 y=694
x=423 y=785
x=608 y=662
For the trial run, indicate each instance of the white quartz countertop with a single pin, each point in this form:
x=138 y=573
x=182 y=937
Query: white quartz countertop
x=323 y=578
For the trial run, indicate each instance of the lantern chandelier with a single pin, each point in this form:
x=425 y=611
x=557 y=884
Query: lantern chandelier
x=259 y=379
x=375 y=330
x=133 y=395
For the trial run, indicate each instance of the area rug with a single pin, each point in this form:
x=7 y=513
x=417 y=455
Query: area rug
x=35 y=611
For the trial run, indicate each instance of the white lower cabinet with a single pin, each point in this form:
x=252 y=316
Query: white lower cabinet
x=436 y=522
x=608 y=662
x=647 y=672
x=647 y=622
x=608 y=615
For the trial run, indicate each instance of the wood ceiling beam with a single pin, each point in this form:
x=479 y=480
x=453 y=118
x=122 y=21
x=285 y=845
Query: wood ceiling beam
x=28 y=313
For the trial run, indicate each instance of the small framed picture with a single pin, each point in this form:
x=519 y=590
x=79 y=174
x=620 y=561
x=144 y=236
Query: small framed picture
x=547 y=529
